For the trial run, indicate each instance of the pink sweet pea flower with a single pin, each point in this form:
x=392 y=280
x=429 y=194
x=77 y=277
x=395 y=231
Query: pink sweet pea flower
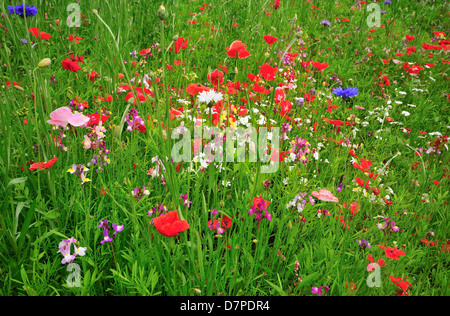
x=64 y=116
x=325 y=195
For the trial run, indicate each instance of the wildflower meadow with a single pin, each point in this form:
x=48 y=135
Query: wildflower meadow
x=255 y=148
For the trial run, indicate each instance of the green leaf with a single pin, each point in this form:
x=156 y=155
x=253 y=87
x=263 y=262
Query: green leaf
x=26 y=225
x=51 y=215
x=17 y=180
x=277 y=288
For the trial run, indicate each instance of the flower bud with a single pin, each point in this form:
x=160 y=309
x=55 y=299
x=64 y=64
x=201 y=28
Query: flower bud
x=94 y=11
x=45 y=63
x=115 y=130
x=289 y=225
x=198 y=291
x=162 y=13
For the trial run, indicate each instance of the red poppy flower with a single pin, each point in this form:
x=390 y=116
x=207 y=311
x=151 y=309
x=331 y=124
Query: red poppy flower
x=93 y=75
x=270 y=39
x=176 y=113
x=194 y=88
x=393 y=253
x=237 y=49
x=309 y=97
x=354 y=208
x=96 y=118
x=252 y=77
x=38 y=34
x=144 y=51
x=225 y=223
x=430 y=46
x=279 y=95
x=257 y=200
x=43 y=165
x=260 y=89
x=268 y=72
x=365 y=165
x=319 y=66
x=180 y=43
x=215 y=77
x=170 y=225
x=286 y=107
x=70 y=65
x=410 y=50
x=409 y=38
x=415 y=69
x=336 y=122
x=352 y=152
x=278 y=156
x=427 y=242
x=276 y=4
x=108 y=98
x=140 y=95
x=438 y=33
x=8 y=83
x=371 y=267
x=75 y=39
x=445 y=42
x=402 y=283
x=359 y=181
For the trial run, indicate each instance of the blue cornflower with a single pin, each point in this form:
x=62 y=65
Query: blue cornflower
x=23 y=10
x=345 y=93
x=325 y=22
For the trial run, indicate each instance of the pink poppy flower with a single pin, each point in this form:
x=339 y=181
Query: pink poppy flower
x=64 y=116
x=325 y=195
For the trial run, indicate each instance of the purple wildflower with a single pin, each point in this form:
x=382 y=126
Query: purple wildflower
x=326 y=22
x=106 y=230
x=363 y=243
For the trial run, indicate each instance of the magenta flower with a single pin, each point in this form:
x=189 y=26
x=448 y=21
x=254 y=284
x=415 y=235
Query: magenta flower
x=106 y=230
x=64 y=248
x=185 y=200
x=318 y=290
